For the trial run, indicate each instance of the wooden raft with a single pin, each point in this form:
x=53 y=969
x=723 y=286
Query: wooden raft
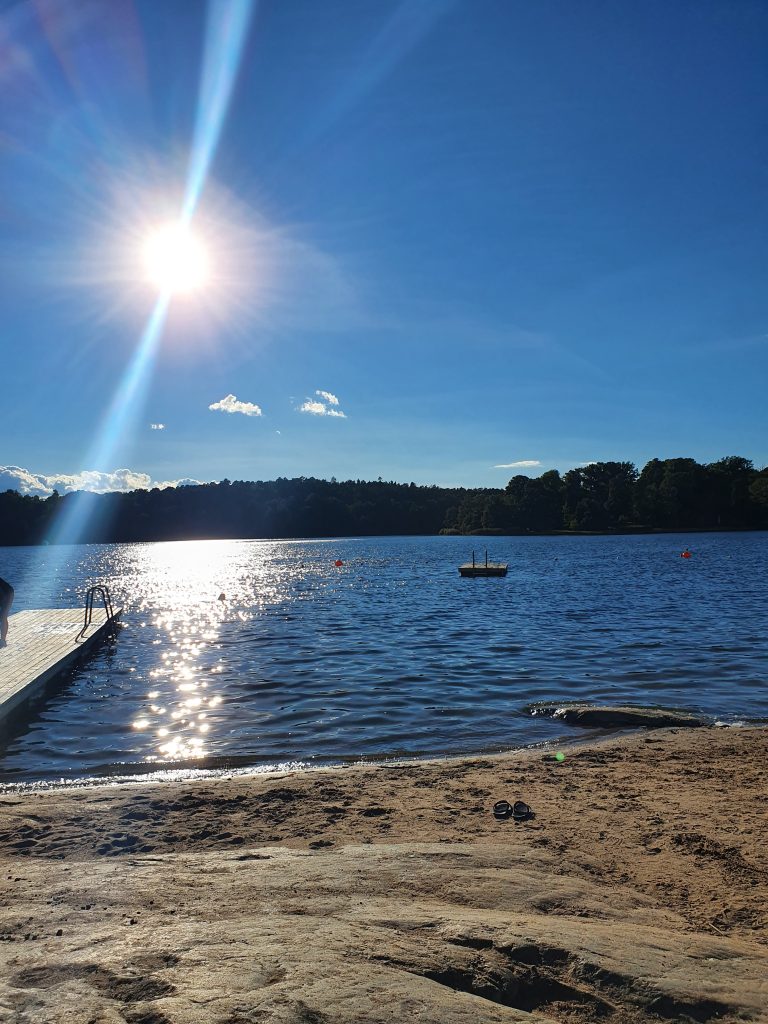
x=485 y=568
x=41 y=645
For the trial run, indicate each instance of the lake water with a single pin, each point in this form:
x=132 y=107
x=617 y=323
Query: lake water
x=391 y=654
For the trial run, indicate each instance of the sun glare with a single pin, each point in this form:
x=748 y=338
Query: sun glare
x=175 y=260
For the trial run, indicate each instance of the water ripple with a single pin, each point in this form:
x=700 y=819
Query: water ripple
x=390 y=654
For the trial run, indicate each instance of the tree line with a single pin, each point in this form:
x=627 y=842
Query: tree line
x=669 y=494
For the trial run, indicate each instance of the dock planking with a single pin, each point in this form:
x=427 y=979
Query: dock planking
x=42 y=643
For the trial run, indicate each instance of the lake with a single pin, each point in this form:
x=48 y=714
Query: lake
x=390 y=654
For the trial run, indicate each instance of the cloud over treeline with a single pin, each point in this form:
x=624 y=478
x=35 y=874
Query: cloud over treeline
x=42 y=485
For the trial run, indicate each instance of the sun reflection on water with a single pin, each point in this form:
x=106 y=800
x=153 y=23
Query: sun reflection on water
x=194 y=589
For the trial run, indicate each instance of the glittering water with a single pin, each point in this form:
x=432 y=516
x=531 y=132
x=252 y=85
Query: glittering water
x=389 y=654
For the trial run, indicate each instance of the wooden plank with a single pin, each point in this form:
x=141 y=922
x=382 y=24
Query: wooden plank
x=42 y=643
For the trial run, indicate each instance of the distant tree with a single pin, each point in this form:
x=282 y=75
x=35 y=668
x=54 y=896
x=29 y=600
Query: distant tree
x=729 y=497
x=535 y=503
x=758 y=493
x=648 y=504
x=572 y=495
x=609 y=488
x=683 y=494
x=517 y=511
x=494 y=517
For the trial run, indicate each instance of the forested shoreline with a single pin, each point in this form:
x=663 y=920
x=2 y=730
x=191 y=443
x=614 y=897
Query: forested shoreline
x=602 y=497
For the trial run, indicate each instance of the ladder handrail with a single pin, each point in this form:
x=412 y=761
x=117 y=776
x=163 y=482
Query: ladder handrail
x=90 y=596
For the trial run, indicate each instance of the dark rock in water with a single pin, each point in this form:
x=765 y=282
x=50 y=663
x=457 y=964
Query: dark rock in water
x=610 y=717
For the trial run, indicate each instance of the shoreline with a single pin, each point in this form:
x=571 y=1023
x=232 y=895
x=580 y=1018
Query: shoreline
x=173 y=772
x=386 y=891
x=169 y=772
x=625 y=531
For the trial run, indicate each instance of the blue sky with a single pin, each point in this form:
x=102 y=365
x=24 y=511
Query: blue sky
x=495 y=232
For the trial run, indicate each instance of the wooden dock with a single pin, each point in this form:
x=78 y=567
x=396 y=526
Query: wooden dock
x=41 y=645
x=485 y=568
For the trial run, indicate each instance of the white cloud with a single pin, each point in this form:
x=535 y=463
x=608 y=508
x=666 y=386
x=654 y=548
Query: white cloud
x=232 y=404
x=16 y=478
x=157 y=426
x=119 y=480
x=521 y=464
x=324 y=408
x=186 y=481
x=314 y=408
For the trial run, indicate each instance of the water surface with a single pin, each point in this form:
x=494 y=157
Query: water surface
x=390 y=654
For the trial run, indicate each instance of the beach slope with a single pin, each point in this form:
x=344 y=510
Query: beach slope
x=638 y=892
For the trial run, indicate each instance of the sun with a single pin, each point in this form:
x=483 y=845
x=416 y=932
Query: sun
x=175 y=260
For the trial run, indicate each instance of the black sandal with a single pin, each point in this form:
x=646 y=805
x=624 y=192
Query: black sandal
x=521 y=811
x=502 y=810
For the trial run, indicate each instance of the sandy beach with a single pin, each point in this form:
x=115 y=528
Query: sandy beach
x=638 y=892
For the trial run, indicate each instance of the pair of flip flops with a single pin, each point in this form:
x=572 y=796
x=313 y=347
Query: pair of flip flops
x=518 y=811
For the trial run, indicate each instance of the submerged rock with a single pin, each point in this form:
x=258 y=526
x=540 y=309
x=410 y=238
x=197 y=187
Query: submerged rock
x=615 y=717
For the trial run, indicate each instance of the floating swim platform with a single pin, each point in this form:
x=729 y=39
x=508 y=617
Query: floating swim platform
x=485 y=568
x=42 y=644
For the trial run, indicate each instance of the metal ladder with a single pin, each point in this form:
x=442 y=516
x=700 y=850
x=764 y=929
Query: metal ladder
x=99 y=590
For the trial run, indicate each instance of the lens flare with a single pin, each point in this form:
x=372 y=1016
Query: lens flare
x=225 y=37
x=175 y=259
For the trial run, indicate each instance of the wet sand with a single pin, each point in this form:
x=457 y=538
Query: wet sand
x=638 y=892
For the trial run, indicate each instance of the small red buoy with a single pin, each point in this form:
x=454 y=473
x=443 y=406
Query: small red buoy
x=685 y=554
x=338 y=562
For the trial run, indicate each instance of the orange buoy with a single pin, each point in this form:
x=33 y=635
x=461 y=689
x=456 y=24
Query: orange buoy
x=338 y=562
x=685 y=554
